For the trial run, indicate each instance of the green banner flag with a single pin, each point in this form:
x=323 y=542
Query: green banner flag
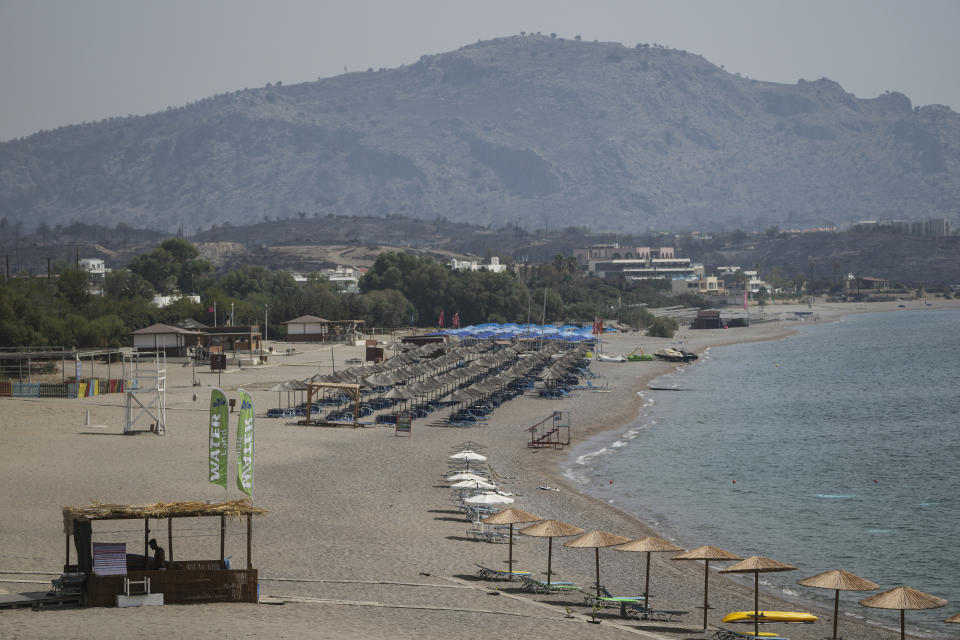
x=245 y=444
x=219 y=435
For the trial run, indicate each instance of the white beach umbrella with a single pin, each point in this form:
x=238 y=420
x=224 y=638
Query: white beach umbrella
x=473 y=484
x=468 y=455
x=464 y=476
x=489 y=498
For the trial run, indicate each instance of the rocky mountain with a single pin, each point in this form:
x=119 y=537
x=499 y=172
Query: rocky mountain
x=528 y=131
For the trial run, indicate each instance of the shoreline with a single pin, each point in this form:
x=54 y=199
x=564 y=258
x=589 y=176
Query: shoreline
x=606 y=432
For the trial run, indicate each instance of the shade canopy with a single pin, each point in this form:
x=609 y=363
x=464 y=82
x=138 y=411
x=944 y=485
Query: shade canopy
x=953 y=619
x=650 y=544
x=511 y=516
x=473 y=484
x=489 y=498
x=838 y=580
x=468 y=455
x=758 y=564
x=707 y=553
x=464 y=475
x=594 y=540
x=903 y=598
x=551 y=529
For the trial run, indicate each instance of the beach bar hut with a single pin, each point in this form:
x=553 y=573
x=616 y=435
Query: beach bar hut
x=174 y=341
x=180 y=581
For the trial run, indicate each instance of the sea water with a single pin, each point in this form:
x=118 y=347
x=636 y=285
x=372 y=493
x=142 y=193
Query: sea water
x=836 y=448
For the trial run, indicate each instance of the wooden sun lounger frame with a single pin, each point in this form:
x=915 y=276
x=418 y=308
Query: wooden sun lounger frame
x=535 y=586
x=636 y=610
x=499 y=574
x=727 y=634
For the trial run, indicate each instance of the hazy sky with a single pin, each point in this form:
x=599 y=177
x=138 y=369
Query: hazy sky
x=70 y=61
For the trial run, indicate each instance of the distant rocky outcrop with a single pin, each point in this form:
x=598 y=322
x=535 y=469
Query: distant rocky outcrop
x=528 y=130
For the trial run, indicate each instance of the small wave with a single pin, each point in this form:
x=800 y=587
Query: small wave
x=587 y=457
x=836 y=496
x=618 y=444
x=879 y=532
x=575 y=476
x=631 y=434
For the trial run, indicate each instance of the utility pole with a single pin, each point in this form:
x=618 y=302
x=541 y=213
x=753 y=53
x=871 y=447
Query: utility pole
x=266 y=309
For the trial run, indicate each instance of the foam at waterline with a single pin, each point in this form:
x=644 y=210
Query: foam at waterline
x=836 y=496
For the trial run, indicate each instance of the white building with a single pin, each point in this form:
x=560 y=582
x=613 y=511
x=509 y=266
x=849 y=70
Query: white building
x=474 y=265
x=347 y=279
x=166 y=301
x=93 y=266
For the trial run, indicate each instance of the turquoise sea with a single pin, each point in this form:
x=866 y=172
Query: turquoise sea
x=836 y=448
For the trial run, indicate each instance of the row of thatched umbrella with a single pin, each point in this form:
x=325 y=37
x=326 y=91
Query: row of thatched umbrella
x=901 y=598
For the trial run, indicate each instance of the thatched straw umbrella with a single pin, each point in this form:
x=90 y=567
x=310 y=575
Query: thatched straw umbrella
x=594 y=540
x=551 y=529
x=707 y=553
x=511 y=517
x=903 y=598
x=757 y=565
x=954 y=619
x=839 y=580
x=650 y=544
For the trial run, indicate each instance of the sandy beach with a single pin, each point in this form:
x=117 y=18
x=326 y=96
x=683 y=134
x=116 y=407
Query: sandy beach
x=361 y=539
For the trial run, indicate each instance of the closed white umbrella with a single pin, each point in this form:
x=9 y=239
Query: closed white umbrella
x=489 y=498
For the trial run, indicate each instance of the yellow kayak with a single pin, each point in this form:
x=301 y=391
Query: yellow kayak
x=770 y=616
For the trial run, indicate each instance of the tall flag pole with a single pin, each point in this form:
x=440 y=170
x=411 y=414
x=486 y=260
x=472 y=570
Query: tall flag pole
x=219 y=436
x=245 y=444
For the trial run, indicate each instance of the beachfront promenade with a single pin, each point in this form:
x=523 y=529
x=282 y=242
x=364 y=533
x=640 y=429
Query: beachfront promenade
x=361 y=539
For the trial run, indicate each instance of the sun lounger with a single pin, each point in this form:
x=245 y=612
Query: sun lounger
x=497 y=574
x=605 y=599
x=727 y=634
x=535 y=586
x=487 y=535
x=642 y=612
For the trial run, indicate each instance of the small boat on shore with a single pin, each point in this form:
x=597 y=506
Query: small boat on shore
x=770 y=616
x=675 y=355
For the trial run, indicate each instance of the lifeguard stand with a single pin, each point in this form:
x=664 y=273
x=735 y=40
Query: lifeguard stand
x=551 y=432
x=146 y=393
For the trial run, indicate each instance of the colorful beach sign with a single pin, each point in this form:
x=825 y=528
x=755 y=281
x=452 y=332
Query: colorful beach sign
x=245 y=424
x=219 y=436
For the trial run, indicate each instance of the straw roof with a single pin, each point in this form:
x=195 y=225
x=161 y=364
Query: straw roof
x=839 y=579
x=758 y=564
x=511 y=516
x=903 y=598
x=706 y=552
x=955 y=618
x=650 y=543
x=551 y=529
x=594 y=539
x=184 y=509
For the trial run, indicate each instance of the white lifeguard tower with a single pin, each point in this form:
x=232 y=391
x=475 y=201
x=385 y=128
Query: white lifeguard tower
x=146 y=391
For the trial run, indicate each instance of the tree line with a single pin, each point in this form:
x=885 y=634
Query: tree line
x=399 y=290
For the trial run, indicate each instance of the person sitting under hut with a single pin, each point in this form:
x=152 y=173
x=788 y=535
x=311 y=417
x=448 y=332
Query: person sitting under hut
x=159 y=555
